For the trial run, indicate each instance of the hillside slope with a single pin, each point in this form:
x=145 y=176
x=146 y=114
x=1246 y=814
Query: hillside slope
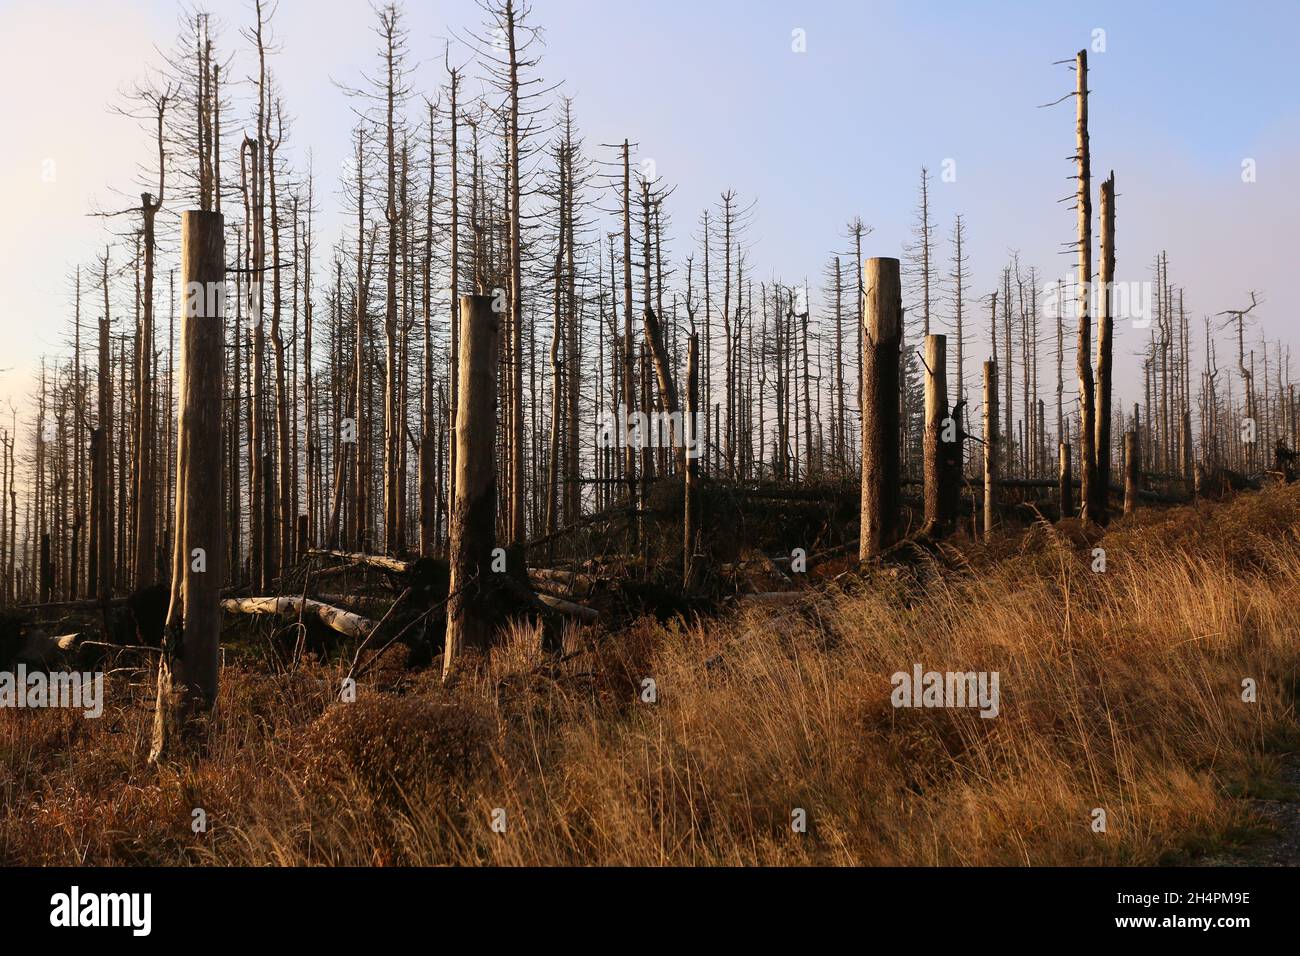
x=1120 y=690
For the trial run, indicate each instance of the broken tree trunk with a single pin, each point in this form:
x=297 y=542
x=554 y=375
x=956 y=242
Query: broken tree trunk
x=473 y=515
x=1065 y=482
x=690 y=439
x=664 y=373
x=990 y=448
x=1131 y=471
x=1100 y=505
x=1083 y=357
x=940 y=496
x=881 y=338
x=187 y=672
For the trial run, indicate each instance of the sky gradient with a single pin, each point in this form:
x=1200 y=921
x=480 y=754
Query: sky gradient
x=715 y=95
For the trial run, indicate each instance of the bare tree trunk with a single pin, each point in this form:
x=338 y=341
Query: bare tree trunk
x=1065 y=481
x=1131 y=471
x=990 y=445
x=392 y=428
x=882 y=334
x=473 y=516
x=1087 y=416
x=360 y=432
x=188 y=671
x=938 y=478
x=144 y=557
x=429 y=460
x=517 y=514
x=557 y=382
x=104 y=465
x=1100 y=505
x=454 y=266
x=629 y=379
x=690 y=441
x=280 y=479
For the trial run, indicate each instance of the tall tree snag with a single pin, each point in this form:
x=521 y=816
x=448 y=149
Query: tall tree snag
x=940 y=429
x=187 y=672
x=1132 y=471
x=473 y=514
x=990 y=447
x=882 y=333
x=1083 y=357
x=1100 y=506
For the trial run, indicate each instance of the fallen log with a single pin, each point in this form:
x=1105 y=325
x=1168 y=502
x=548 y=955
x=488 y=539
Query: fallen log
x=568 y=608
x=395 y=565
x=345 y=622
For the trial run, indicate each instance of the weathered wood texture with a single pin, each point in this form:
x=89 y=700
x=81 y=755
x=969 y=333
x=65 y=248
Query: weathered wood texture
x=881 y=339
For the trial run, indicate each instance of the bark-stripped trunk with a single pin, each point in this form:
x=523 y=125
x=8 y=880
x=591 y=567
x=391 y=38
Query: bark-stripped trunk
x=882 y=332
x=473 y=515
x=1089 y=489
x=188 y=670
x=1105 y=332
x=990 y=446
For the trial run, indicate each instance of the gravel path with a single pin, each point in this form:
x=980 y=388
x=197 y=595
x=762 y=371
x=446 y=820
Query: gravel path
x=1282 y=846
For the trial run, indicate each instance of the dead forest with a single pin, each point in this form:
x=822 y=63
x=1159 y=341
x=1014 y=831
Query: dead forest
x=514 y=388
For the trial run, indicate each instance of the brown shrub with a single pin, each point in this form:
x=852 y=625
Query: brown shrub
x=399 y=747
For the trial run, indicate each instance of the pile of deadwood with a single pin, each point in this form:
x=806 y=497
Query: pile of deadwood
x=760 y=543
x=362 y=604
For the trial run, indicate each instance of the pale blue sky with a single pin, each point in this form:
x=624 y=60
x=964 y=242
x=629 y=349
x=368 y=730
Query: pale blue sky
x=714 y=94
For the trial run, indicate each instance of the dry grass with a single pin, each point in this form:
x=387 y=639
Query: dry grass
x=1120 y=690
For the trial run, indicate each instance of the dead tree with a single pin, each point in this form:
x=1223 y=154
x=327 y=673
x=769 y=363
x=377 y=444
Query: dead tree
x=473 y=515
x=940 y=429
x=690 y=442
x=1089 y=488
x=990 y=444
x=1131 y=471
x=429 y=459
x=187 y=673
x=1099 y=507
x=882 y=333
x=1238 y=316
x=102 y=478
x=1065 y=481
